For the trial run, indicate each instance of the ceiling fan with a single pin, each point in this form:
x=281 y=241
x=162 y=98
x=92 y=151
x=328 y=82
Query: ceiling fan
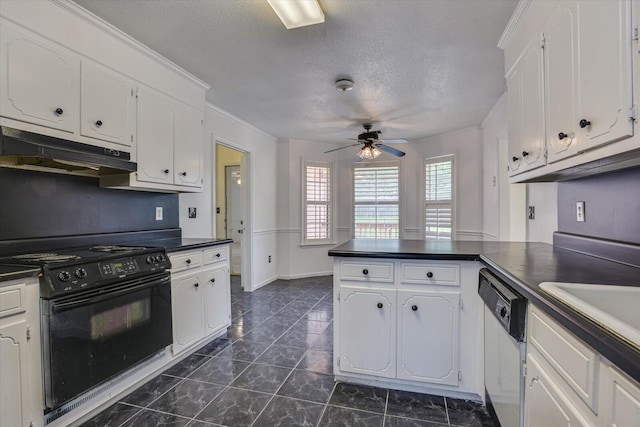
x=372 y=146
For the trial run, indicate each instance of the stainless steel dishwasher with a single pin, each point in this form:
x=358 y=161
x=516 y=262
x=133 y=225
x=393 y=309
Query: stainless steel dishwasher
x=505 y=315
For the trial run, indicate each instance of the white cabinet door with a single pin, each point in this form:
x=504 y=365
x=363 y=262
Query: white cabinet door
x=620 y=400
x=187 y=294
x=428 y=336
x=38 y=80
x=217 y=303
x=561 y=88
x=604 y=62
x=188 y=146
x=14 y=376
x=526 y=111
x=545 y=405
x=107 y=105
x=155 y=137
x=367 y=331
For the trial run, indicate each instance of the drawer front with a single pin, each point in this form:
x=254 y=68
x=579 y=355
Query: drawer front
x=12 y=300
x=182 y=261
x=430 y=274
x=367 y=271
x=216 y=254
x=576 y=363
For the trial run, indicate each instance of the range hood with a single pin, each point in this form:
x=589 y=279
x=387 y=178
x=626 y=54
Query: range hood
x=28 y=150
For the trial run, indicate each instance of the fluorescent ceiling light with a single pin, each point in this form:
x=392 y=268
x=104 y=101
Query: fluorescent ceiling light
x=297 y=13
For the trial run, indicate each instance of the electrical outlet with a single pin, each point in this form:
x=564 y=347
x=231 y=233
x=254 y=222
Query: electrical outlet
x=269 y=259
x=532 y=212
x=192 y=212
x=580 y=211
x=158 y=213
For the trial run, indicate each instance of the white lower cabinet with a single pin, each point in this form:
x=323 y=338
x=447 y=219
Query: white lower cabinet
x=428 y=326
x=367 y=331
x=545 y=403
x=621 y=399
x=20 y=359
x=200 y=296
x=405 y=326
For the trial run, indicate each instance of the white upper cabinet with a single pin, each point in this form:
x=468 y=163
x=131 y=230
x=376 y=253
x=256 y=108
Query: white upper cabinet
x=525 y=86
x=107 y=105
x=188 y=146
x=155 y=137
x=588 y=76
x=38 y=80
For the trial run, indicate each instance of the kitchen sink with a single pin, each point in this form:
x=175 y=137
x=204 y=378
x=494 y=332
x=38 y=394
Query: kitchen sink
x=617 y=308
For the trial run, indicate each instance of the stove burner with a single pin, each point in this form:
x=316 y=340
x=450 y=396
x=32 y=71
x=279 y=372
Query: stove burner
x=115 y=248
x=48 y=257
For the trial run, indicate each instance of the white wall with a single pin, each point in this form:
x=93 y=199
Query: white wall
x=261 y=157
x=544 y=196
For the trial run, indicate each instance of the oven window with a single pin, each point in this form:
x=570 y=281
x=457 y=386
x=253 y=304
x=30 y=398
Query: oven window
x=116 y=320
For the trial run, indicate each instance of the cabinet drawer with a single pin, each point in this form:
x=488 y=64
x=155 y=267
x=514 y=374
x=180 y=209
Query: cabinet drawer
x=185 y=261
x=576 y=363
x=216 y=254
x=12 y=300
x=367 y=271
x=430 y=274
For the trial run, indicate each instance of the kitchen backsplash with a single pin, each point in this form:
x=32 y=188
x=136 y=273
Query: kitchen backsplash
x=37 y=204
x=612 y=206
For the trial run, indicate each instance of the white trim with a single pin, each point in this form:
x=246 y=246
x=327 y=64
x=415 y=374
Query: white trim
x=469 y=233
x=513 y=23
x=304 y=275
x=263 y=283
x=265 y=232
x=411 y=230
x=450 y=133
x=454 y=192
x=332 y=209
x=289 y=230
x=489 y=236
x=343 y=228
x=239 y=120
x=103 y=25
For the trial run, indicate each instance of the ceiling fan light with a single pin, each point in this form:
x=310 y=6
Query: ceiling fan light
x=297 y=13
x=376 y=152
x=366 y=153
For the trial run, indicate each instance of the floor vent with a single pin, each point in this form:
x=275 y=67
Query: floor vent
x=96 y=392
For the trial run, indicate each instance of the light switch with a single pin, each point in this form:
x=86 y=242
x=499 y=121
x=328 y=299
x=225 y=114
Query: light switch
x=158 y=213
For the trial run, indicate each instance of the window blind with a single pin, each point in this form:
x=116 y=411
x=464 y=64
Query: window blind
x=439 y=198
x=317 y=205
x=376 y=193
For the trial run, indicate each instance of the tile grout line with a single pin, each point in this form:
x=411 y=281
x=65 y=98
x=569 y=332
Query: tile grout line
x=335 y=383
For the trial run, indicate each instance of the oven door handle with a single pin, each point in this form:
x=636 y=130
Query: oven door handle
x=124 y=289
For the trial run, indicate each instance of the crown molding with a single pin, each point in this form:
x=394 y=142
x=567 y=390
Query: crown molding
x=103 y=25
x=514 y=22
x=239 y=120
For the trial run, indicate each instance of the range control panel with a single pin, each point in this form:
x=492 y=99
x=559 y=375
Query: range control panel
x=118 y=268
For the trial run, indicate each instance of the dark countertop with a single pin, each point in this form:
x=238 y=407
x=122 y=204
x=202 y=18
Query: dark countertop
x=176 y=244
x=524 y=266
x=14 y=272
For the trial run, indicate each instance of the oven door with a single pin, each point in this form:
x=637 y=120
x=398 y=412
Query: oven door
x=92 y=337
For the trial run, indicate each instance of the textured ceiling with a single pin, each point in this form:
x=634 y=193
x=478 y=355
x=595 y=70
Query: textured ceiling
x=420 y=67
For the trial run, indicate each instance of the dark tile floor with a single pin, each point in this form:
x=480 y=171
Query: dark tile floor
x=274 y=368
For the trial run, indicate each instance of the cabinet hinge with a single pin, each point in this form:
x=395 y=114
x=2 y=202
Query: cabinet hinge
x=131 y=92
x=634 y=35
x=524 y=370
x=131 y=137
x=459 y=376
x=461 y=304
x=338 y=361
x=542 y=41
x=544 y=153
x=632 y=113
x=28 y=333
x=338 y=297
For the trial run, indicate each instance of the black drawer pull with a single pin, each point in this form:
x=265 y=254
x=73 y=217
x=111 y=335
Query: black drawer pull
x=414 y=307
x=213 y=280
x=188 y=261
x=196 y=284
x=379 y=305
x=59 y=111
x=584 y=123
x=365 y=271
x=218 y=255
x=429 y=275
x=99 y=123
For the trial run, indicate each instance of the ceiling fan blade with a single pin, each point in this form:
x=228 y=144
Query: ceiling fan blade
x=341 y=148
x=396 y=141
x=391 y=150
x=357 y=159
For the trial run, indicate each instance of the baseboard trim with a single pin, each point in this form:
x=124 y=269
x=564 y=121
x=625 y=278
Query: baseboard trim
x=305 y=275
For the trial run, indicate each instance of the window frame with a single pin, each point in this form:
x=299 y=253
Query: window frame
x=374 y=164
x=432 y=160
x=304 y=241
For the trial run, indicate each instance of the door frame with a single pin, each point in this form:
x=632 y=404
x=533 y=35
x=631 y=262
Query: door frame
x=247 y=238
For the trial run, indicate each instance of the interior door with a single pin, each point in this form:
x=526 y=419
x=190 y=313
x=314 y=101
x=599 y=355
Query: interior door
x=234 y=215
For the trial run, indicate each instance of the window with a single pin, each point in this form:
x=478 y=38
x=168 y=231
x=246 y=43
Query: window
x=317 y=208
x=439 y=196
x=376 y=196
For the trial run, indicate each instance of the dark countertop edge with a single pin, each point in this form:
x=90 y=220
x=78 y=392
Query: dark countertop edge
x=196 y=245
x=625 y=356
x=21 y=272
x=405 y=255
x=622 y=354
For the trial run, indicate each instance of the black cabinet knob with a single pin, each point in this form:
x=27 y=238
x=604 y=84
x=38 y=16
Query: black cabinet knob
x=429 y=275
x=183 y=174
x=584 y=123
x=166 y=171
x=99 y=123
x=213 y=280
x=414 y=307
x=525 y=153
x=365 y=271
x=503 y=311
x=515 y=159
x=217 y=255
x=196 y=284
x=188 y=261
x=562 y=136
x=379 y=305
x=59 y=111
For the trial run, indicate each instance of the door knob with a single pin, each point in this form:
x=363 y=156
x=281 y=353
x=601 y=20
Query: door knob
x=365 y=271
x=196 y=284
